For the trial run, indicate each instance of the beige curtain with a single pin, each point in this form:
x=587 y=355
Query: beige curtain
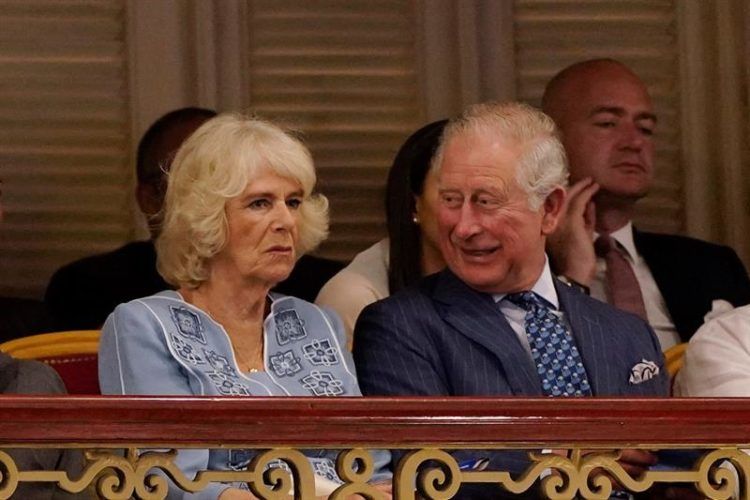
x=64 y=145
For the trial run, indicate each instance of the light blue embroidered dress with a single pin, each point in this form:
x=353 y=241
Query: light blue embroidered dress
x=162 y=345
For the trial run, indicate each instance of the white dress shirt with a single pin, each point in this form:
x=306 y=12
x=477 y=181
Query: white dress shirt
x=656 y=307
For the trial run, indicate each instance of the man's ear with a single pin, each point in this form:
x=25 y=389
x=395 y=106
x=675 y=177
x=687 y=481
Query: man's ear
x=553 y=210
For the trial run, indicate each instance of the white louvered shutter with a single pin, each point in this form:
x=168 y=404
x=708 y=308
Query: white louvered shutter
x=345 y=74
x=551 y=34
x=64 y=145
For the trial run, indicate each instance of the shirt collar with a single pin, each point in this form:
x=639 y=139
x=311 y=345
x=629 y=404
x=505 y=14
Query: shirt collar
x=624 y=237
x=544 y=287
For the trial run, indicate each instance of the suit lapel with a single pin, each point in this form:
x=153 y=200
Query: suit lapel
x=587 y=331
x=476 y=316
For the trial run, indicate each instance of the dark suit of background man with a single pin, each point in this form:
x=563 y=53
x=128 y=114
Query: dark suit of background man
x=607 y=122
x=501 y=177
x=81 y=294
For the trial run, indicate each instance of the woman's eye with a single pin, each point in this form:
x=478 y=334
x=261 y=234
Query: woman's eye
x=605 y=124
x=259 y=204
x=294 y=203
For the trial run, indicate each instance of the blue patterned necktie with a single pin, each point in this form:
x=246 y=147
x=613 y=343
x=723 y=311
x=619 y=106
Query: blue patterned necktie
x=558 y=362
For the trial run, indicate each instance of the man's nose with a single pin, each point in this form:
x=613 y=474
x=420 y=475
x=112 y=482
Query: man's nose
x=632 y=137
x=468 y=222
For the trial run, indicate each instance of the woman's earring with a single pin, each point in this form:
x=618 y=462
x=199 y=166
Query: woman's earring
x=415 y=219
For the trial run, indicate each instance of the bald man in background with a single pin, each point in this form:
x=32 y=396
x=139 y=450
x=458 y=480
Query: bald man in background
x=606 y=118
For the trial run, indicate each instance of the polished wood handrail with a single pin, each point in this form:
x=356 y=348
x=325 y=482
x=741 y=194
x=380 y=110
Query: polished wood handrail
x=150 y=429
x=370 y=422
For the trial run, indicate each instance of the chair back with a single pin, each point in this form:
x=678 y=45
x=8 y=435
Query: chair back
x=73 y=354
x=674 y=357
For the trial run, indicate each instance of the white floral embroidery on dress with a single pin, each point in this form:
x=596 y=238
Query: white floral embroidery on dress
x=285 y=363
x=220 y=363
x=186 y=351
x=228 y=386
x=321 y=352
x=289 y=327
x=188 y=323
x=326 y=469
x=322 y=384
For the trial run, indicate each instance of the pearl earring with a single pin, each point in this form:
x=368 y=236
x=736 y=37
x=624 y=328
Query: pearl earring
x=415 y=219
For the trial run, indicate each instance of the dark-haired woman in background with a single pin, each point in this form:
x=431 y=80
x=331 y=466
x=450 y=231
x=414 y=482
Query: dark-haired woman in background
x=411 y=250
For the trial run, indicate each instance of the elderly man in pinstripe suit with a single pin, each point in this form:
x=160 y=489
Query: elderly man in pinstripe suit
x=496 y=321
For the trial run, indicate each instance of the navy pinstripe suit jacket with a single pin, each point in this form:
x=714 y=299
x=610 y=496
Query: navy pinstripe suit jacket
x=444 y=338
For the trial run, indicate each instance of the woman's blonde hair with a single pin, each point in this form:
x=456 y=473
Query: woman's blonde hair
x=215 y=165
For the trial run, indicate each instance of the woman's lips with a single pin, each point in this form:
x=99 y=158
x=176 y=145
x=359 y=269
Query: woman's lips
x=280 y=249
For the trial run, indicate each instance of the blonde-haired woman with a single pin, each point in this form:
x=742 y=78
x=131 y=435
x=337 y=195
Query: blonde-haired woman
x=239 y=210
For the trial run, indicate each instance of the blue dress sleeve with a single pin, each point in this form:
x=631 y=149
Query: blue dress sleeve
x=134 y=360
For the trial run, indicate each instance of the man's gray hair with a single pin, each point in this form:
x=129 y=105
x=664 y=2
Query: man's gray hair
x=542 y=164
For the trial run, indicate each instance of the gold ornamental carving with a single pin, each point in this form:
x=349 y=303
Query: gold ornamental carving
x=721 y=473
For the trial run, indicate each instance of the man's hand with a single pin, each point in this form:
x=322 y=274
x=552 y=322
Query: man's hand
x=571 y=246
x=636 y=462
x=236 y=494
x=384 y=487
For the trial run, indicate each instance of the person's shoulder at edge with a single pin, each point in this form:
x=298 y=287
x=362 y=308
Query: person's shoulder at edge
x=717 y=360
x=28 y=377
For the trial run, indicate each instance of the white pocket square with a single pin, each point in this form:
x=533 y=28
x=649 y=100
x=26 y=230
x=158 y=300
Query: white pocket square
x=643 y=371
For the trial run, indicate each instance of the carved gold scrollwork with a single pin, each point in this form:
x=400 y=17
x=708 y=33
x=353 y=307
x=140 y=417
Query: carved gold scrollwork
x=8 y=475
x=439 y=482
x=584 y=475
x=561 y=483
x=280 y=482
x=595 y=484
x=118 y=477
x=121 y=477
x=434 y=473
x=720 y=482
x=355 y=467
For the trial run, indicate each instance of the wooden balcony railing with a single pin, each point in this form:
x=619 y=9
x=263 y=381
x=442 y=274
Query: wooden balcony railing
x=430 y=427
